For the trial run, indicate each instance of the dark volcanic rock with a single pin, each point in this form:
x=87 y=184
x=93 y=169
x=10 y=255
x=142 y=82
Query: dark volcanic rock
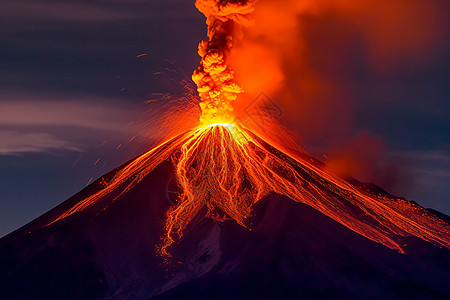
x=289 y=251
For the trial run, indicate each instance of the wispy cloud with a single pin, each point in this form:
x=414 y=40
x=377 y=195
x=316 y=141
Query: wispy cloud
x=439 y=157
x=58 y=11
x=90 y=113
x=430 y=171
x=13 y=143
x=86 y=11
x=36 y=124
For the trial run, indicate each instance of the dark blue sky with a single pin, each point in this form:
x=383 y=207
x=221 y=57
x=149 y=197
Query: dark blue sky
x=73 y=91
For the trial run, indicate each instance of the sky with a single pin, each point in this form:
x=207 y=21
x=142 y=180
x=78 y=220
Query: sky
x=76 y=78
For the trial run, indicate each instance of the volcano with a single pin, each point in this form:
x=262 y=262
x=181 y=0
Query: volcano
x=220 y=213
x=223 y=211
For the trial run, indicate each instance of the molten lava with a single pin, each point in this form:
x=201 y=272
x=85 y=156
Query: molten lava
x=223 y=169
x=226 y=169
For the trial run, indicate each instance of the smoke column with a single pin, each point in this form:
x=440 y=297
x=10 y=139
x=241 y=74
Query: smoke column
x=214 y=78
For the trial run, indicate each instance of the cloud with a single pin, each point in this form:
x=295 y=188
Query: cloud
x=58 y=11
x=31 y=11
x=13 y=143
x=436 y=157
x=430 y=174
x=29 y=123
x=94 y=113
x=315 y=57
x=429 y=166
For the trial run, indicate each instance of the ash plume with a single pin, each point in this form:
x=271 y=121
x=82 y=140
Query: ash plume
x=326 y=61
x=215 y=78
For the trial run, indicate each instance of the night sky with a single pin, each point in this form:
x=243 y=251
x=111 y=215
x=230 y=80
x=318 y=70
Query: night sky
x=75 y=77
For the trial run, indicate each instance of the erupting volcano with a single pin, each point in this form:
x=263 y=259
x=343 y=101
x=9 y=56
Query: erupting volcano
x=225 y=167
x=225 y=172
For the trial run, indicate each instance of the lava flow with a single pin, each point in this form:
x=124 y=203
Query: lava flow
x=226 y=169
x=223 y=168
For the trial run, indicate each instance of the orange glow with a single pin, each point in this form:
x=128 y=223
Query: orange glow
x=304 y=54
x=215 y=78
x=228 y=169
x=225 y=168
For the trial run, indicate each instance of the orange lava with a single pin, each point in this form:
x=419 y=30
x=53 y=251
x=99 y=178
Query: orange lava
x=227 y=168
x=224 y=169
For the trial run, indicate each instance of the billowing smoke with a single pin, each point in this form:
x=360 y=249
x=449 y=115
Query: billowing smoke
x=309 y=54
x=215 y=78
x=323 y=61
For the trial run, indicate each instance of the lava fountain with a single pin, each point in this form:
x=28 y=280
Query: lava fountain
x=223 y=168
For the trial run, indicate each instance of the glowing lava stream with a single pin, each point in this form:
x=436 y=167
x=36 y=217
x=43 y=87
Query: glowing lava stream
x=226 y=169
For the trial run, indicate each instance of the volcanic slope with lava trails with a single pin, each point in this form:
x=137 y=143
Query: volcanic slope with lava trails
x=249 y=221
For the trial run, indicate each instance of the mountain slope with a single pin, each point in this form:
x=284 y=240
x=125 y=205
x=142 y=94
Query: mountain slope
x=289 y=251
